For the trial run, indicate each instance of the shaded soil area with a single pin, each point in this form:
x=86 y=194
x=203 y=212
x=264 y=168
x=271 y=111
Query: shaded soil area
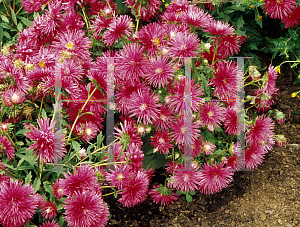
x=267 y=196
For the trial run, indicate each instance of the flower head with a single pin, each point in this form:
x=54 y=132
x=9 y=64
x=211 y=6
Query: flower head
x=135 y=189
x=50 y=224
x=162 y=141
x=5 y=145
x=293 y=19
x=86 y=209
x=13 y=97
x=48 y=145
x=219 y=28
x=17 y=203
x=118 y=176
x=212 y=113
x=162 y=195
x=208 y=147
x=49 y=209
x=214 y=178
x=254 y=155
x=279 y=8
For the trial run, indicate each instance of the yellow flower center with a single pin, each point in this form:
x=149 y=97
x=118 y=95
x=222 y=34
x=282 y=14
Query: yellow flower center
x=206 y=148
x=158 y=71
x=143 y=107
x=182 y=130
x=155 y=41
x=163 y=117
x=161 y=140
x=88 y=131
x=210 y=113
x=70 y=45
x=186 y=177
x=42 y=63
x=49 y=210
x=120 y=176
x=15 y=98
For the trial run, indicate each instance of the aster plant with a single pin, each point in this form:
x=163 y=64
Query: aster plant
x=85 y=59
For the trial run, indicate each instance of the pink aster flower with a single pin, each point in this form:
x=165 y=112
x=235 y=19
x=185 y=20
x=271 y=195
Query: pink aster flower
x=219 y=28
x=57 y=188
x=86 y=209
x=17 y=203
x=151 y=36
x=279 y=8
x=228 y=45
x=185 y=180
x=13 y=97
x=135 y=189
x=50 y=224
x=6 y=145
x=196 y=147
x=254 y=156
x=262 y=128
x=33 y=6
x=196 y=16
x=83 y=178
x=99 y=23
x=172 y=166
x=118 y=175
x=280 y=117
x=144 y=106
x=148 y=10
x=208 y=147
x=174 y=11
x=293 y=19
x=119 y=28
x=49 y=209
x=212 y=113
x=183 y=45
x=74 y=44
x=86 y=131
x=214 y=178
x=128 y=134
x=182 y=134
x=161 y=141
x=71 y=20
x=281 y=141
x=270 y=88
x=135 y=156
x=263 y=101
x=231 y=122
x=131 y=62
x=163 y=195
x=165 y=118
x=48 y=145
x=227 y=78
x=159 y=71
x=177 y=101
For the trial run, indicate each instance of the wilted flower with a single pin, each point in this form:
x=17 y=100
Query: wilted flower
x=163 y=195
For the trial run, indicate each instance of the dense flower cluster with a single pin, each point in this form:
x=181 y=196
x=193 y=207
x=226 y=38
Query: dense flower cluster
x=146 y=76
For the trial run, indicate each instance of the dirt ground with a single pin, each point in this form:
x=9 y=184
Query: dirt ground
x=267 y=196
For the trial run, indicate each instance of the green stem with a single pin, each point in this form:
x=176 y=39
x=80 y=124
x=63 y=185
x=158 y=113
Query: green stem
x=19 y=10
x=40 y=108
x=8 y=172
x=15 y=123
x=80 y=113
x=138 y=19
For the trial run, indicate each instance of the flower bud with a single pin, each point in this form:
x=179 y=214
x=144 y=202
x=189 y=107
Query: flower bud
x=280 y=117
x=280 y=141
x=82 y=153
x=4 y=127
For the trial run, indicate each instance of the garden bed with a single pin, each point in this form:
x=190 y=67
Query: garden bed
x=268 y=196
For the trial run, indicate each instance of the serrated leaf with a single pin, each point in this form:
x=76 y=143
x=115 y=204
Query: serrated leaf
x=36 y=184
x=4 y=18
x=240 y=22
x=188 y=198
x=13 y=15
x=75 y=145
x=25 y=21
x=28 y=178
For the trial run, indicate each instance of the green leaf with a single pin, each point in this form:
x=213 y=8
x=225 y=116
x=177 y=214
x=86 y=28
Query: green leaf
x=192 y=193
x=100 y=139
x=88 y=151
x=121 y=5
x=204 y=84
x=4 y=18
x=13 y=15
x=25 y=21
x=61 y=220
x=20 y=27
x=179 y=192
x=239 y=32
x=36 y=184
x=28 y=178
x=188 y=198
x=86 y=113
x=7 y=35
x=20 y=143
x=36 y=14
x=47 y=187
x=75 y=145
x=208 y=136
x=44 y=115
x=240 y=22
x=22 y=131
x=4 y=25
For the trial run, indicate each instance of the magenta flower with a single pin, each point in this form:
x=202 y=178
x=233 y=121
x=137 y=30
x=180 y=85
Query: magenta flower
x=6 y=145
x=145 y=106
x=86 y=209
x=83 y=178
x=185 y=180
x=260 y=131
x=151 y=37
x=99 y=23
x=182 y=134
x=135 y=156
x=119 y=28
x=254 y=155
x=148 y=10
x=131 y=62
x=17 y=203
x=50 y=224
x=279 y=8
x=48 y=145
x=226 y=79
x=184 y=45
x=165 y=118
x=231 y=121
x=270 y=88
x=162 y=195
x=161 y=141
x=293 y=19
x=57 y=188
x=86 y=131
x=196 y=16
x=118 y=176
x=135 y=189
x=171 y=166
x=212 y=113
x=49 y=209
x=208 y=147
x=159 y=72
x=228 y=45
x=214 y=178
x=13 y=97
x=219 y=28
